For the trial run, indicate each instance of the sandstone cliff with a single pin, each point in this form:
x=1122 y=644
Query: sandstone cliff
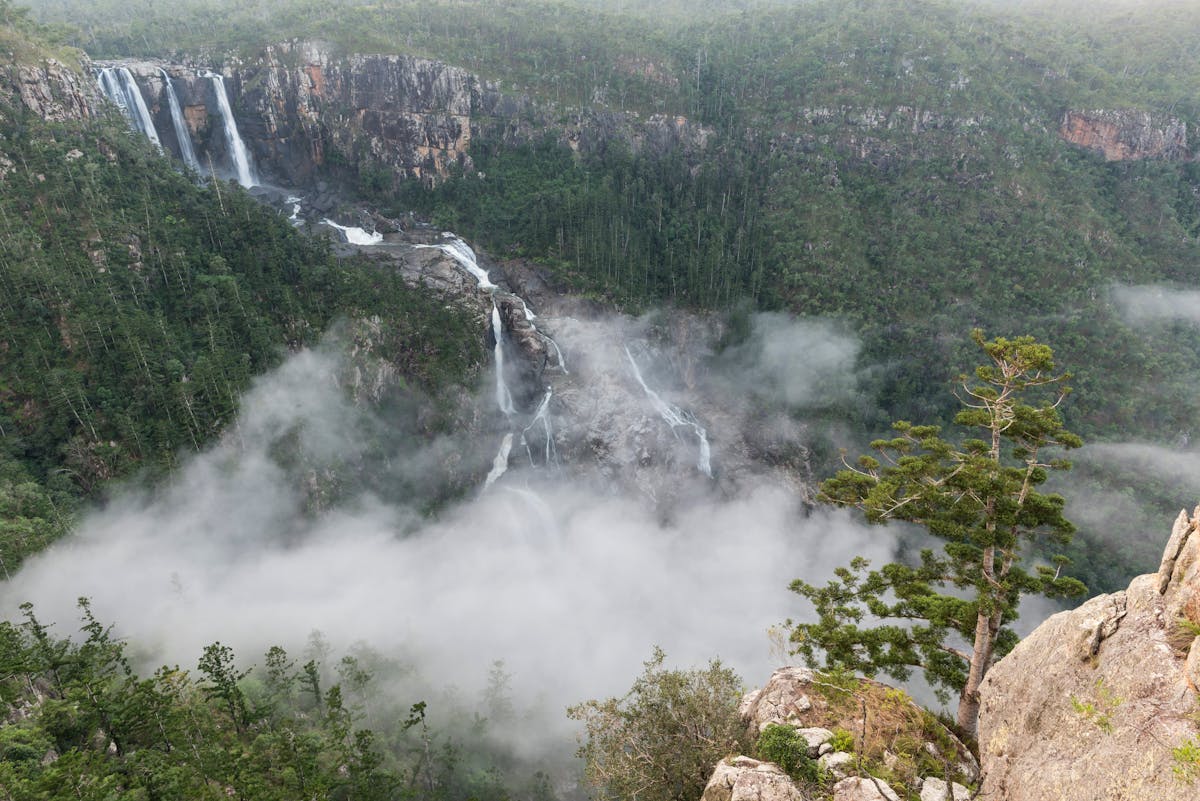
x=307 y=112
x=50 y=89
x=1126 y=134
x=1095 y=703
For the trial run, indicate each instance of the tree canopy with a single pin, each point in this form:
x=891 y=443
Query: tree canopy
x=948 y=615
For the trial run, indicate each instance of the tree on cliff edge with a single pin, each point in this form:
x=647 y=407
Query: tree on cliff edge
x=981 y=497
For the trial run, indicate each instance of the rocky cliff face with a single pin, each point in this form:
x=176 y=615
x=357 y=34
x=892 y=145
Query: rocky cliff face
x=1094 y=703
x=306 y=112
x=51 y=89
x=1127 y=135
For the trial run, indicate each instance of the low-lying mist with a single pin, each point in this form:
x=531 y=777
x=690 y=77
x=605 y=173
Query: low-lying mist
x=570 y=585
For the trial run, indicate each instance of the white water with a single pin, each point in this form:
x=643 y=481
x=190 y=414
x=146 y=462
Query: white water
x=182 y=135
x=120 y=87
x=237 y=148
x=675 y=417
x=354 y=235
x=503 y=396
x=295 y=218
x=542 y=415
x=500 y=462
x=461 y=252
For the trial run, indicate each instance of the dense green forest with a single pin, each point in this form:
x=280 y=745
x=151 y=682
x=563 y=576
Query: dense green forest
x=82 y=723
x=136 y=307
x=892 y=165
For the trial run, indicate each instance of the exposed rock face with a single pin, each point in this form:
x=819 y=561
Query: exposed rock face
x=305 y=111
x=1127 y=135
x=797 y=697
x=745 y=779
x=51 y=89
x=1115 y=692
x=301 y=104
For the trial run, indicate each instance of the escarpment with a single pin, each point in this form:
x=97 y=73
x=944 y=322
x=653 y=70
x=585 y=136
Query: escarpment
x=1097 y=701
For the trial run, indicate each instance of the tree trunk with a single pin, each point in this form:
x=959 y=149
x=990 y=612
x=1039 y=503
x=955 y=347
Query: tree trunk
x=981 y=657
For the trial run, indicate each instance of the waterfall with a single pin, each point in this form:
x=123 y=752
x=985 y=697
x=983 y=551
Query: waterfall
x=461 y=252
x=354 y=235
x=503 y=396
x=118 y=85
x=237 y=148
x=500 y=462
x=542 y=416
x=182 y=135
x=675 y=417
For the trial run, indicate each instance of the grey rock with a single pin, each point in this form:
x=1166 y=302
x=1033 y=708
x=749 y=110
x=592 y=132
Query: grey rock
x=1112 y=695
x=857 y=788
x=744 y=779
x=935 y=789
x=837 y=762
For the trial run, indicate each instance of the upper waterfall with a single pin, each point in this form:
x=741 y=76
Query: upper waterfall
x=237 y=148
x=182 y=134
x=118 y=85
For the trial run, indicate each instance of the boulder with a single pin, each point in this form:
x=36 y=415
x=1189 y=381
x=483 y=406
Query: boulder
x=1115 y=692
x=857 y=788
x=744 y=779
x=784 y=699
x=838 y=763
x=935 y=789
x=816 y=737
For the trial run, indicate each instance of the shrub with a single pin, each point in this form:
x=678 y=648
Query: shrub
x=661 y=740
x=784 y=746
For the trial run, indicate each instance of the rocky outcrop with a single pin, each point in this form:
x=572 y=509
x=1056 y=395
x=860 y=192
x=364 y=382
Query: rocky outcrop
x=799 y=697
x=745 y=779
x=1126 y=134
x=1116 y=693
x=51 y=89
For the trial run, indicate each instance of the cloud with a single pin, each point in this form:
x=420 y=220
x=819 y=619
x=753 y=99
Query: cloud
x=570 y=585
x=1154 y=303
x=799 y=362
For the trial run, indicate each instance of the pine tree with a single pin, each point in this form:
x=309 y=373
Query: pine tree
x=981 y=497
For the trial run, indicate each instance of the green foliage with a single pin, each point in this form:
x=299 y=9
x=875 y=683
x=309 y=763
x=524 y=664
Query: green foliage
x=136 y=307
x=784 y=746
x=79 y=722
x=660 y=741
x=1099 y=707
x=1187 y=761
x=842 y=740
x=981 y=497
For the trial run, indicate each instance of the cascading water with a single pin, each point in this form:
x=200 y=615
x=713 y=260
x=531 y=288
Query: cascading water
x=237 y=148
x=462 y=253
x=118 y=85
x=676 y=417
x=542 y=415
x=182 y=134
x=353 y=234
x=503 y=395
x=500 y=462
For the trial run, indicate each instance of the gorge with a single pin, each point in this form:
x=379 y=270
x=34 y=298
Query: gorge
x=428 y=337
